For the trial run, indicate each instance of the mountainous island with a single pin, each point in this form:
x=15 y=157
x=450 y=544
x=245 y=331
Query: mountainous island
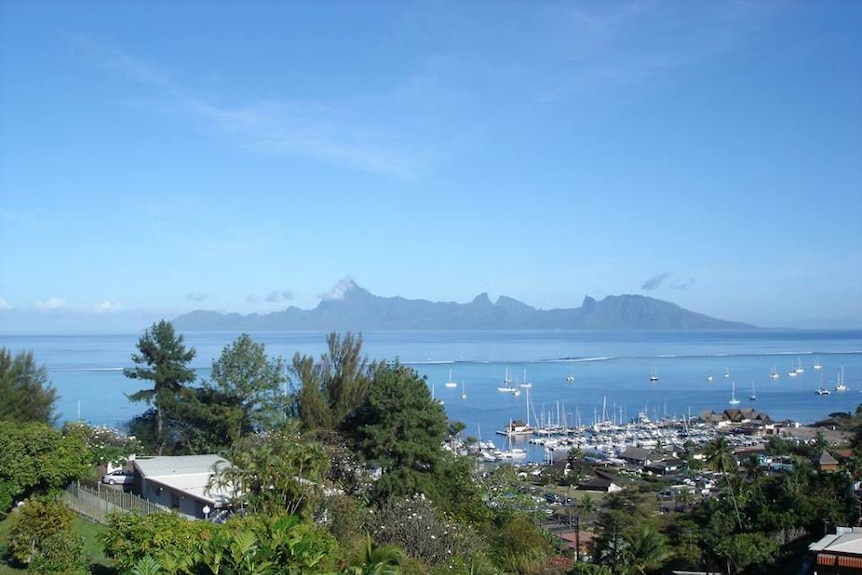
x=359 y=310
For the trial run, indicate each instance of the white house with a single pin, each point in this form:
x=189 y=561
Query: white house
x=181 y=483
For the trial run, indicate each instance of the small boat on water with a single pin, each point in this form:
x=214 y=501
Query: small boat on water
x=817 y=364
x=753 y=396
x=654 y=377
x=733 y=400
x=840 y=386
x=451 y=382
x=823 y=391
x=526 y=384
x=774 y=373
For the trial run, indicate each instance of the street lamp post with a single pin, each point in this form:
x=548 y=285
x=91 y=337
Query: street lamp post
x=206 y=511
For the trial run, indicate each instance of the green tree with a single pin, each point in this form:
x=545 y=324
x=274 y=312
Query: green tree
x=245 y=373
x=331 y=389
x=275 y=472
x=378 y=560
x=162 y=359
x=647 y=549
x=720 y=458
x=401 y=429
x=244 y=395
x=36 y=459
x=27 y=395
x=43 y=537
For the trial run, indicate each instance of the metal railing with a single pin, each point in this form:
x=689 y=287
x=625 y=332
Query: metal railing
x=97 y=503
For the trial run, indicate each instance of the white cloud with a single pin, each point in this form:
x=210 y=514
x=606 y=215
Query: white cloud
x=340 y=290
x=108 y=306
x=51 y=303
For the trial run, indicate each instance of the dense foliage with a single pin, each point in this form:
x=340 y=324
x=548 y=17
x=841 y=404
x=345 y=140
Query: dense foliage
x=43 y=538
x=36 y=459
x=27 y=395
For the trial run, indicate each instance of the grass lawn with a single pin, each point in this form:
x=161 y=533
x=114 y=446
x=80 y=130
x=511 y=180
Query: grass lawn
x=99 y=564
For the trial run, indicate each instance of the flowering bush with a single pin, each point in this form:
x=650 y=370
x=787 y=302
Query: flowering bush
x=424 y=533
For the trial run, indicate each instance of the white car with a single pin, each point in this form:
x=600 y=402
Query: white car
x=119 y=478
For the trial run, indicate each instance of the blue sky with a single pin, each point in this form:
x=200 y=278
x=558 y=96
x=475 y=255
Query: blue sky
x=160 y=157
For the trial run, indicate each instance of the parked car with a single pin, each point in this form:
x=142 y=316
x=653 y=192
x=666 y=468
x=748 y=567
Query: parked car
x=119 y=478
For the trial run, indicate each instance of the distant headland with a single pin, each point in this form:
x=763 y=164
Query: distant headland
x=356 y=309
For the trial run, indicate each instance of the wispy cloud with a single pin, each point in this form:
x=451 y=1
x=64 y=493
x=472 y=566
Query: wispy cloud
x=197 y=296
x=277 y=296
x=654 y=282
x=50 y=303
x=108 y=307
x=682 y=284
x=4 y=304
x=624 y=43
x=339 y=290
x=275 y=127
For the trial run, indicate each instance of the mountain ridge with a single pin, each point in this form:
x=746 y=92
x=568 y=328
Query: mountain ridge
x=356 y=309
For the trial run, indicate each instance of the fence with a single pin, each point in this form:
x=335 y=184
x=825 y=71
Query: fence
x=97 y=503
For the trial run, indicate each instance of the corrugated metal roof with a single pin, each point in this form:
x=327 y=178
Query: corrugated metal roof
x=171 y=465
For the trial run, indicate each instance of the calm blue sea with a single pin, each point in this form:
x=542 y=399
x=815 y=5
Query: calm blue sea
x=611 y=371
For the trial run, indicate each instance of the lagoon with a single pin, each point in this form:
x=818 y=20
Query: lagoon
x=611 y=371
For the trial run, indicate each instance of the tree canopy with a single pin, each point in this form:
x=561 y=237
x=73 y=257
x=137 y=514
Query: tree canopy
x=27 y=394
x=401 y=429
x=162 y=359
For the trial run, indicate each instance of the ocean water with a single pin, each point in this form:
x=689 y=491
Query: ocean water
x=611 y=371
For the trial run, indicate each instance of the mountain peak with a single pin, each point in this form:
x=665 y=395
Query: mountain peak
x=341 y=290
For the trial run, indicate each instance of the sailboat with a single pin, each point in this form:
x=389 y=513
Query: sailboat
x=817 y=364
x=727 y=372
x=507 y=386
x=526 y=384
x=799 y=368
x=840 y=386
x=463 y=392
x=774 y=373
x=753 y=396
x=654 y=377
x=733 y=400
x=450 y=382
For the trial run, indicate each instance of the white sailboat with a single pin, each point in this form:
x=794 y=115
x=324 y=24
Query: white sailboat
x=817 y=364
x=774 y=373
x=463 y=392
x=841 y=386
x=526 y=384
x=733 y=399
x=654 y=376
x=753 y=396
x=451 y=382
x=507 y=386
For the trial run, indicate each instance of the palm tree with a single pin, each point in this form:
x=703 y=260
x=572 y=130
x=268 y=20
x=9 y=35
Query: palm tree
x=647 y=549
x=587 y=506
x=720 y=458
x=378 y=560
